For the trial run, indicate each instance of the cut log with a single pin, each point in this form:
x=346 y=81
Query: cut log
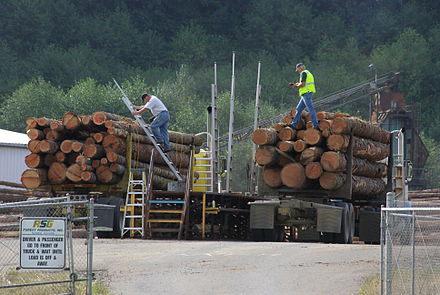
x=99 y=136
x=362 y=148
x=265 y=136
x=142 y=153
x=283 y=161
x=331 y=181
x=104 y=161
x=11 y=184
x=287 y=119
x=49 y=159
x=324 y=115
x=34 y=160
x=43 y=122
x=361 y=129
x=272 y=176
x=57 y=173
x=34 y=146
x=117 y=168
x=314 y=170
x=115 y=158
x=56 y=125
x=33 y=178
x=85 y=167
x=96 y=163
x=299 y=145
x=326 y=133
x=279 y=126
x=266 y=155
x=114 y=144
x=35 y=133
x=286 y=146
x=60 y=156
x=55 y=135
x=312 y=136
x=48 y=146
x=89 y=140
x=336 y=162
x=66 y=146
x=100 y=117
x=77 y=146
x=88 y=176
x=311 y=154
x=83 y=160
x=293 y=175
x=31 y=123
x=73 y=173
x=367 y=186
x=93 y=151
x=287 y=133
x=300 y=134
x=105 y=175
x=71 y=121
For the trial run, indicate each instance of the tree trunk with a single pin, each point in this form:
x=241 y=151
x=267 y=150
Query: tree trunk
x=266 y=155
x=265 y=136
x=293 y=175
x=35 y=134
x=33 y=178
x=71 y=121
x=34 y=160
x=314 y=170
x=367 y=186
x=57 y=173
x=331 y=181
x=48 y=146
x=272 y=176
x=361 y=129
x=362 y=148
x=312 y=136
x=311 y=154
x=287 y=133
x=142 y=152
x=73 y=173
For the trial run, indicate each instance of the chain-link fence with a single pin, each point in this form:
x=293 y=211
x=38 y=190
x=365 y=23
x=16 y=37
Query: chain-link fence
x=46 y=247
x=410 y=252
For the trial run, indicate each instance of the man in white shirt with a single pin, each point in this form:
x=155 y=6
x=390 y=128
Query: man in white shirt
x=161 y=118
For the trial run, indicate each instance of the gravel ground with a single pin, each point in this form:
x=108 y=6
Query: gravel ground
x=208 y=267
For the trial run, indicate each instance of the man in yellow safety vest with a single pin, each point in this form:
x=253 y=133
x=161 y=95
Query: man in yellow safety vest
x=306 y=87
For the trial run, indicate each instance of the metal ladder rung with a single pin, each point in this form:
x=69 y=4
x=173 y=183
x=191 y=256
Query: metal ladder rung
x=134 y=205
x=166 y=202
x=133 y=216
x=132 y=228
x=136 y=193
x=164 y=221
x=167 y=211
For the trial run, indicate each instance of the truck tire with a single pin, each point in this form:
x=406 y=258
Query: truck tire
x=258 y=234
x=118 y=217
x=352 y=223
x=343 y=236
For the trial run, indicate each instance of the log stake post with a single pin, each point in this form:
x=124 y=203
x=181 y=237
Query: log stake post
x=345 y=192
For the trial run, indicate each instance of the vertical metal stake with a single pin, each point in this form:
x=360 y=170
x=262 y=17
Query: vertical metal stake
x=388 y=242
x=231 y=127
x=256 y=123
x=90 y=246
x=382 y=242
x=72 y=267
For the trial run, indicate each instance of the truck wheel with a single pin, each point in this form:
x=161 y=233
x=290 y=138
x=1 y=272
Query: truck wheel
x=343 y=236
x=352 y=222
x=328 y=237
x=258 y=234
x=118 y=217
x=274 y=235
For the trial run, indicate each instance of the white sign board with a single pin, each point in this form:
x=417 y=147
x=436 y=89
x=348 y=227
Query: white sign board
x=42 y=243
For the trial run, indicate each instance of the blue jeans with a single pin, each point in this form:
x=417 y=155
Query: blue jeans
x=305 y=101
x=160 y=128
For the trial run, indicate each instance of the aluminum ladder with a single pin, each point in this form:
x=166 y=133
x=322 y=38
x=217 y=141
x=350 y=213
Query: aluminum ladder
x=150 y=136
x=134 y=210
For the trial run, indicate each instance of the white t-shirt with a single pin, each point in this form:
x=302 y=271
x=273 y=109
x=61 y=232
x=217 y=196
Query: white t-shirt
x=155 y=106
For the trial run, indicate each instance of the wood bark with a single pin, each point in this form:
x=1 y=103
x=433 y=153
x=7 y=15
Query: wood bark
x=115 y=158
x=272 y=176
x=311 y=154
x=55 y=135
x=266 y=155
x=57 y=125
x=361 y=129
x=117 y=168
x=331 y=181
x=337 y=162
x=287 y=133
x=142 y=152
x=265 y=136
x=362 y=148
x=293 y=175
x=313 y=170
x=33 y=178
x=93 y=151
x=49 y=159
x=312 y=136
x=360 y=185
x=300 y=134
x=11 y=184
x=105 y=175
x=57 y=173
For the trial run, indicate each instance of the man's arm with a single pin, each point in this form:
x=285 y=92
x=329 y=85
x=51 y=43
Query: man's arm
x=300 y=84
x=141 y=110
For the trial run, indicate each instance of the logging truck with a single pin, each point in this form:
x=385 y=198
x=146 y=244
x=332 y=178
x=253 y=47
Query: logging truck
x=333 y=216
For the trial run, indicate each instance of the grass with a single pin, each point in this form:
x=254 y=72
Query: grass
x=371 y=286
x=14 y=277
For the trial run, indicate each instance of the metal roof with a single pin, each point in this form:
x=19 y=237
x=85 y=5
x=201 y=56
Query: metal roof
x=14 y=139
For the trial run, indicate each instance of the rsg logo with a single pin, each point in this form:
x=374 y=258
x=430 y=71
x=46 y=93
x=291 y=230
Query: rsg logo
x=43 y=223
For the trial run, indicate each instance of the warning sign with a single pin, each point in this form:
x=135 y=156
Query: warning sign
x=42 y=242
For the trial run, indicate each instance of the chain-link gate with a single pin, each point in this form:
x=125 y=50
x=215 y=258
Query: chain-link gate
x=46 y=247
x=410 y=252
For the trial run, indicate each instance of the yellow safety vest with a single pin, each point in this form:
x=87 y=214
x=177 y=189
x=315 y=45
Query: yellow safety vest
x=310 y=84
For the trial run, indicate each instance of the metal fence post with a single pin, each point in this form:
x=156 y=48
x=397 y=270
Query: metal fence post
x=90 y=247
x=71 y=255
x=413 y=250
x=388 y=242
x=382 y=242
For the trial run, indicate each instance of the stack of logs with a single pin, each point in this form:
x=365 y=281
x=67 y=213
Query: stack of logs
x=305 y=157
x=92 y=149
